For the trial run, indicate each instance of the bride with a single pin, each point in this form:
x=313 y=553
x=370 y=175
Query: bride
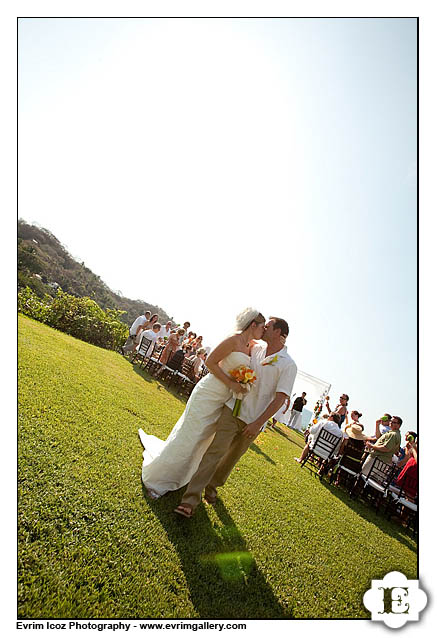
x=170 y=464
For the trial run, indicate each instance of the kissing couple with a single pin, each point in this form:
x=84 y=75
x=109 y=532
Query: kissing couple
x=207 y=441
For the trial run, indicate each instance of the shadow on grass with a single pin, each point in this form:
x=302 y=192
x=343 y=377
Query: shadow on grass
x=369 y=514
x=255 y=448
x=146 y=376
x=141 y=372
x=300 y=443
x=221 y=573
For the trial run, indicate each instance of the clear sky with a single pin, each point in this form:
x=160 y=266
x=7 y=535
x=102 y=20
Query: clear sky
x=207 y=165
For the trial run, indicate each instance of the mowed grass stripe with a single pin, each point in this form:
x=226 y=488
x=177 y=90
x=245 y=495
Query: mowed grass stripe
x=279 y=543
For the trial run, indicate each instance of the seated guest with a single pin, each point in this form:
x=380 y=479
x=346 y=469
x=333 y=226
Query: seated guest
x=409 y=470
x=197 y=343
x=355 y=417
x=152 y=335
x=382 y=426
x=354 y=431
x=189 y=338
x=403 y=458
x=331 y=425
x=135 y=329
x=351 y=448
x=197 y=360
x=188 y=350
x=384 y=448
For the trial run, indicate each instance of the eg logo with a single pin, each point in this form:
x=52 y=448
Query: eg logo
x=395 y=600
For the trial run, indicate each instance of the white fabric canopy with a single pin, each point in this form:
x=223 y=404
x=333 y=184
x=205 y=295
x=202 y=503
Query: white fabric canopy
x=314 y=388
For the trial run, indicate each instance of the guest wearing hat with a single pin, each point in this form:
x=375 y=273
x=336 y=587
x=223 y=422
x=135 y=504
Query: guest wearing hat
x=354 y=431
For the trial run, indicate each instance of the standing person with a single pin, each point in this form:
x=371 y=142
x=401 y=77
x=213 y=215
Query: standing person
x=185 y=333
x=146 y=326
x=275 y=371
x=295 y=422
x=341 y=408
x=170 y=464
x=172 y=345
x=135 y=329
x=164 y=333
x=152 y=321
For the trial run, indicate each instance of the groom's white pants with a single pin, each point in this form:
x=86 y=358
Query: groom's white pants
x=217 y=463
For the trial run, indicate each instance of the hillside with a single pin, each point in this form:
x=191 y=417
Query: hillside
x=43 y=262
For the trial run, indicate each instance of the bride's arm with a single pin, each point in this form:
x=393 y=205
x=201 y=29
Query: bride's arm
x=218 y=354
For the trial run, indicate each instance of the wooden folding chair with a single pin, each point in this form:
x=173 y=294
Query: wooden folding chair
x=349 y=463
x=143 y=350
x=322 y=451
x=404 y=499
x=152 y=364
x=376 y=483
x=185 y=378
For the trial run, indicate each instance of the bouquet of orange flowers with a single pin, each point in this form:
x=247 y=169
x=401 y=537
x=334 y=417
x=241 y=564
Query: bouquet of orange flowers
x=244 y=375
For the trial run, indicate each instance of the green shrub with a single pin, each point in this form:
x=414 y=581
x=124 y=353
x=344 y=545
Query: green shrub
x=80 y=317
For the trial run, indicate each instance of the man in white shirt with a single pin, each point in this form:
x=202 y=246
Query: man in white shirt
x=134 y=330
x=332 y=425
x=151 y=334
x=275 y=371
x=165 y=330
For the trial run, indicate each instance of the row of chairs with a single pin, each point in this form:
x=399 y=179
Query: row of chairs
x=401 y=500
x=149 y=358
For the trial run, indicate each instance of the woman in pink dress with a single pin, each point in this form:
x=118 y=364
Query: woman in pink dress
x=172 y=345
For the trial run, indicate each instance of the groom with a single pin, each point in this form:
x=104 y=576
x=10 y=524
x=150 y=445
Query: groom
x=275 y=372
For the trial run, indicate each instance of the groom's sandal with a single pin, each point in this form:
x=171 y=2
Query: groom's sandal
x=184 y=510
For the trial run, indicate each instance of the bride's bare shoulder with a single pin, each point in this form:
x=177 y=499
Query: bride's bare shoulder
x=225 y=347
x=232 y=341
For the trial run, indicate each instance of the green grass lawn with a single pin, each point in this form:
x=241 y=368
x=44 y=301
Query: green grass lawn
x=278 y=544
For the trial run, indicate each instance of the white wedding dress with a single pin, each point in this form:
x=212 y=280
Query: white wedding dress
x=170 y=464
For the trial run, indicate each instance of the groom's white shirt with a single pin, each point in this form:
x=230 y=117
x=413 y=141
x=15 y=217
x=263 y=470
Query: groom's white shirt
x=275 y=373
